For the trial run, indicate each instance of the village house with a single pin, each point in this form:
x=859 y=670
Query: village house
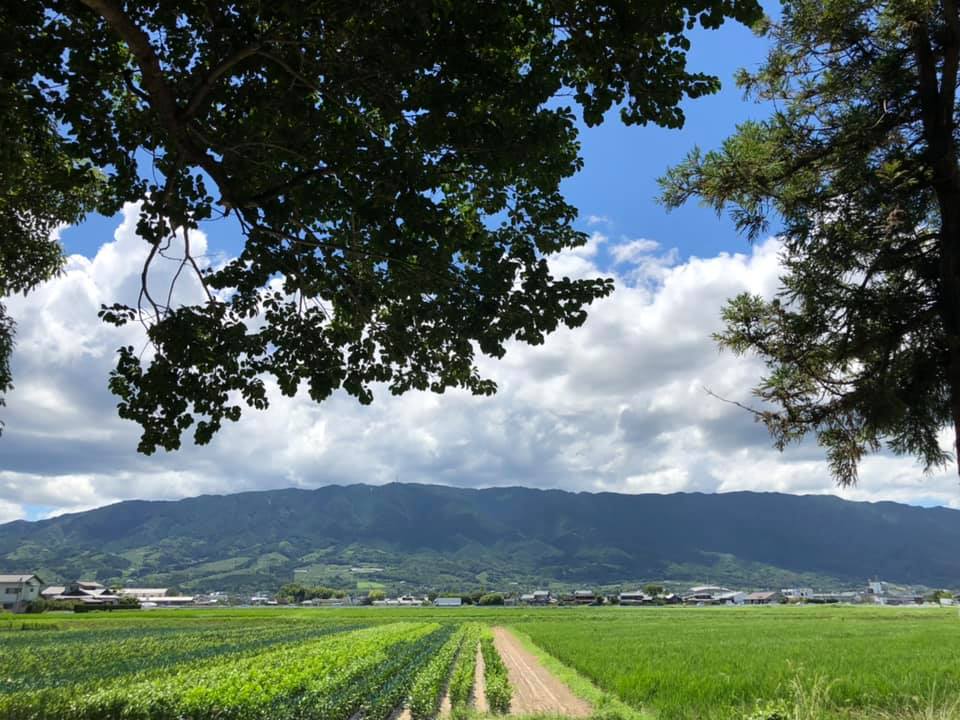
x=797 y=594
x=51 y=591
x=143 y=594
x=16 y=591
x=156 y=597
x=714 y=595
x=85 y=592
x=836 y=597
x=635 y=597
x=168 y=601
x=410 y=600
x=882 y=594
x=585 y=597
x=326 y=602
x=768 y=597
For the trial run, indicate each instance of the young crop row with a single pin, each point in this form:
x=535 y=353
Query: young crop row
x=331 y=677
x=464 y=671
x=79 y=657
x=397 y=682
x=427 y=691
x=498 y=690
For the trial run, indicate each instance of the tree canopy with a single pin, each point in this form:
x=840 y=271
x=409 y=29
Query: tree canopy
x=394 y=168
x=859 y=161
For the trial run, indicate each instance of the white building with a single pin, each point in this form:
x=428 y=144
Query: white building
x=18 y=590
x=802 y=593
x=708 y=595
x=734 y=597
x=143 y=594
x=448 y=602
x=170 y=600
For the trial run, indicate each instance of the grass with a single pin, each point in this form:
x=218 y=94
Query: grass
x=759 y=663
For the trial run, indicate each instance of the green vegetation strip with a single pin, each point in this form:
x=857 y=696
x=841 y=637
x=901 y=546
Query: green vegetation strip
x=302 y=680
x=427 y=691
x=461 y=681
x=42 y=660
x=496 y=683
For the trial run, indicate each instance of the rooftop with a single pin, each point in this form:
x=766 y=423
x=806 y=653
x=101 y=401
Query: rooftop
x=17 y=578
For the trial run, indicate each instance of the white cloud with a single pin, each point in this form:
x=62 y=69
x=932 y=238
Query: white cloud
x=632 y=251
x=10 y=511
x=616 y=405
x=598 y=220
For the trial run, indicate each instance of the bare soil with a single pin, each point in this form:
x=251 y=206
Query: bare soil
x=446 y=707
x=535 y=689
x=480 y=685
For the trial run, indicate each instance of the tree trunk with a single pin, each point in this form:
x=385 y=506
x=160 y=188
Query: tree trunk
x=950 y=300
x=937 y=96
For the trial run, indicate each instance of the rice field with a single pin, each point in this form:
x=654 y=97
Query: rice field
x=725 y=663
x=341 y=664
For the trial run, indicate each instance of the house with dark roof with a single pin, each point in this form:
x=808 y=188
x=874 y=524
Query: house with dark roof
x=586 y=597
x=636 y=597
x=87 y=592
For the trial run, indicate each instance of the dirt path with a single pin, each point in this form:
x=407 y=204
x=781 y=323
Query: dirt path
x=446 y=708
x=535 y=690
x=480 y=685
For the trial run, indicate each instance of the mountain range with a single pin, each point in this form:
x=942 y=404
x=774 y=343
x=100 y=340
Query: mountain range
x=419 y=537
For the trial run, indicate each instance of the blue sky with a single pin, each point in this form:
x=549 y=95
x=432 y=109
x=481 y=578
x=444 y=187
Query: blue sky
x=621 y=164
x=617 y=405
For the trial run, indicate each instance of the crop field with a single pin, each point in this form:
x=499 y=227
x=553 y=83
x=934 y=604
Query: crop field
x=419 y=663
x=765 y=661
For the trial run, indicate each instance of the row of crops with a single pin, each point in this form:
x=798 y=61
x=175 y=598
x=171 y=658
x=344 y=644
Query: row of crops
x=282 y=672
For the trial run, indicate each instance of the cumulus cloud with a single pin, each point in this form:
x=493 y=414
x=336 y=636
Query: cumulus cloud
x=617 y=405
x=632 y=251
x=10 y=511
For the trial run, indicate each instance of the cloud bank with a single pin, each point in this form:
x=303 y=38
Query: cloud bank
x=617 y=405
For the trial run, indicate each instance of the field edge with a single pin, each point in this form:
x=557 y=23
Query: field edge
x=606 y=705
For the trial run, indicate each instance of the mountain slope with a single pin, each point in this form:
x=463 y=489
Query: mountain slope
x=443 y=537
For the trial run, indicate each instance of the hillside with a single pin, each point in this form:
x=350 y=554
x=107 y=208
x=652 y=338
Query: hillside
x=443 y=537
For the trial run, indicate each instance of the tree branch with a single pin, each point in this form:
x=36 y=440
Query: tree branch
x=162 y=98
x=759 y=414
x=203 y=92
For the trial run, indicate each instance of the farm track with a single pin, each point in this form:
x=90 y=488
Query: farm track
x=446 y=707
x=535 y=689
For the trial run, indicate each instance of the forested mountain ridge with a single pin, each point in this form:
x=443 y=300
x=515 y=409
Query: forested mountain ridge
x=430 y=536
